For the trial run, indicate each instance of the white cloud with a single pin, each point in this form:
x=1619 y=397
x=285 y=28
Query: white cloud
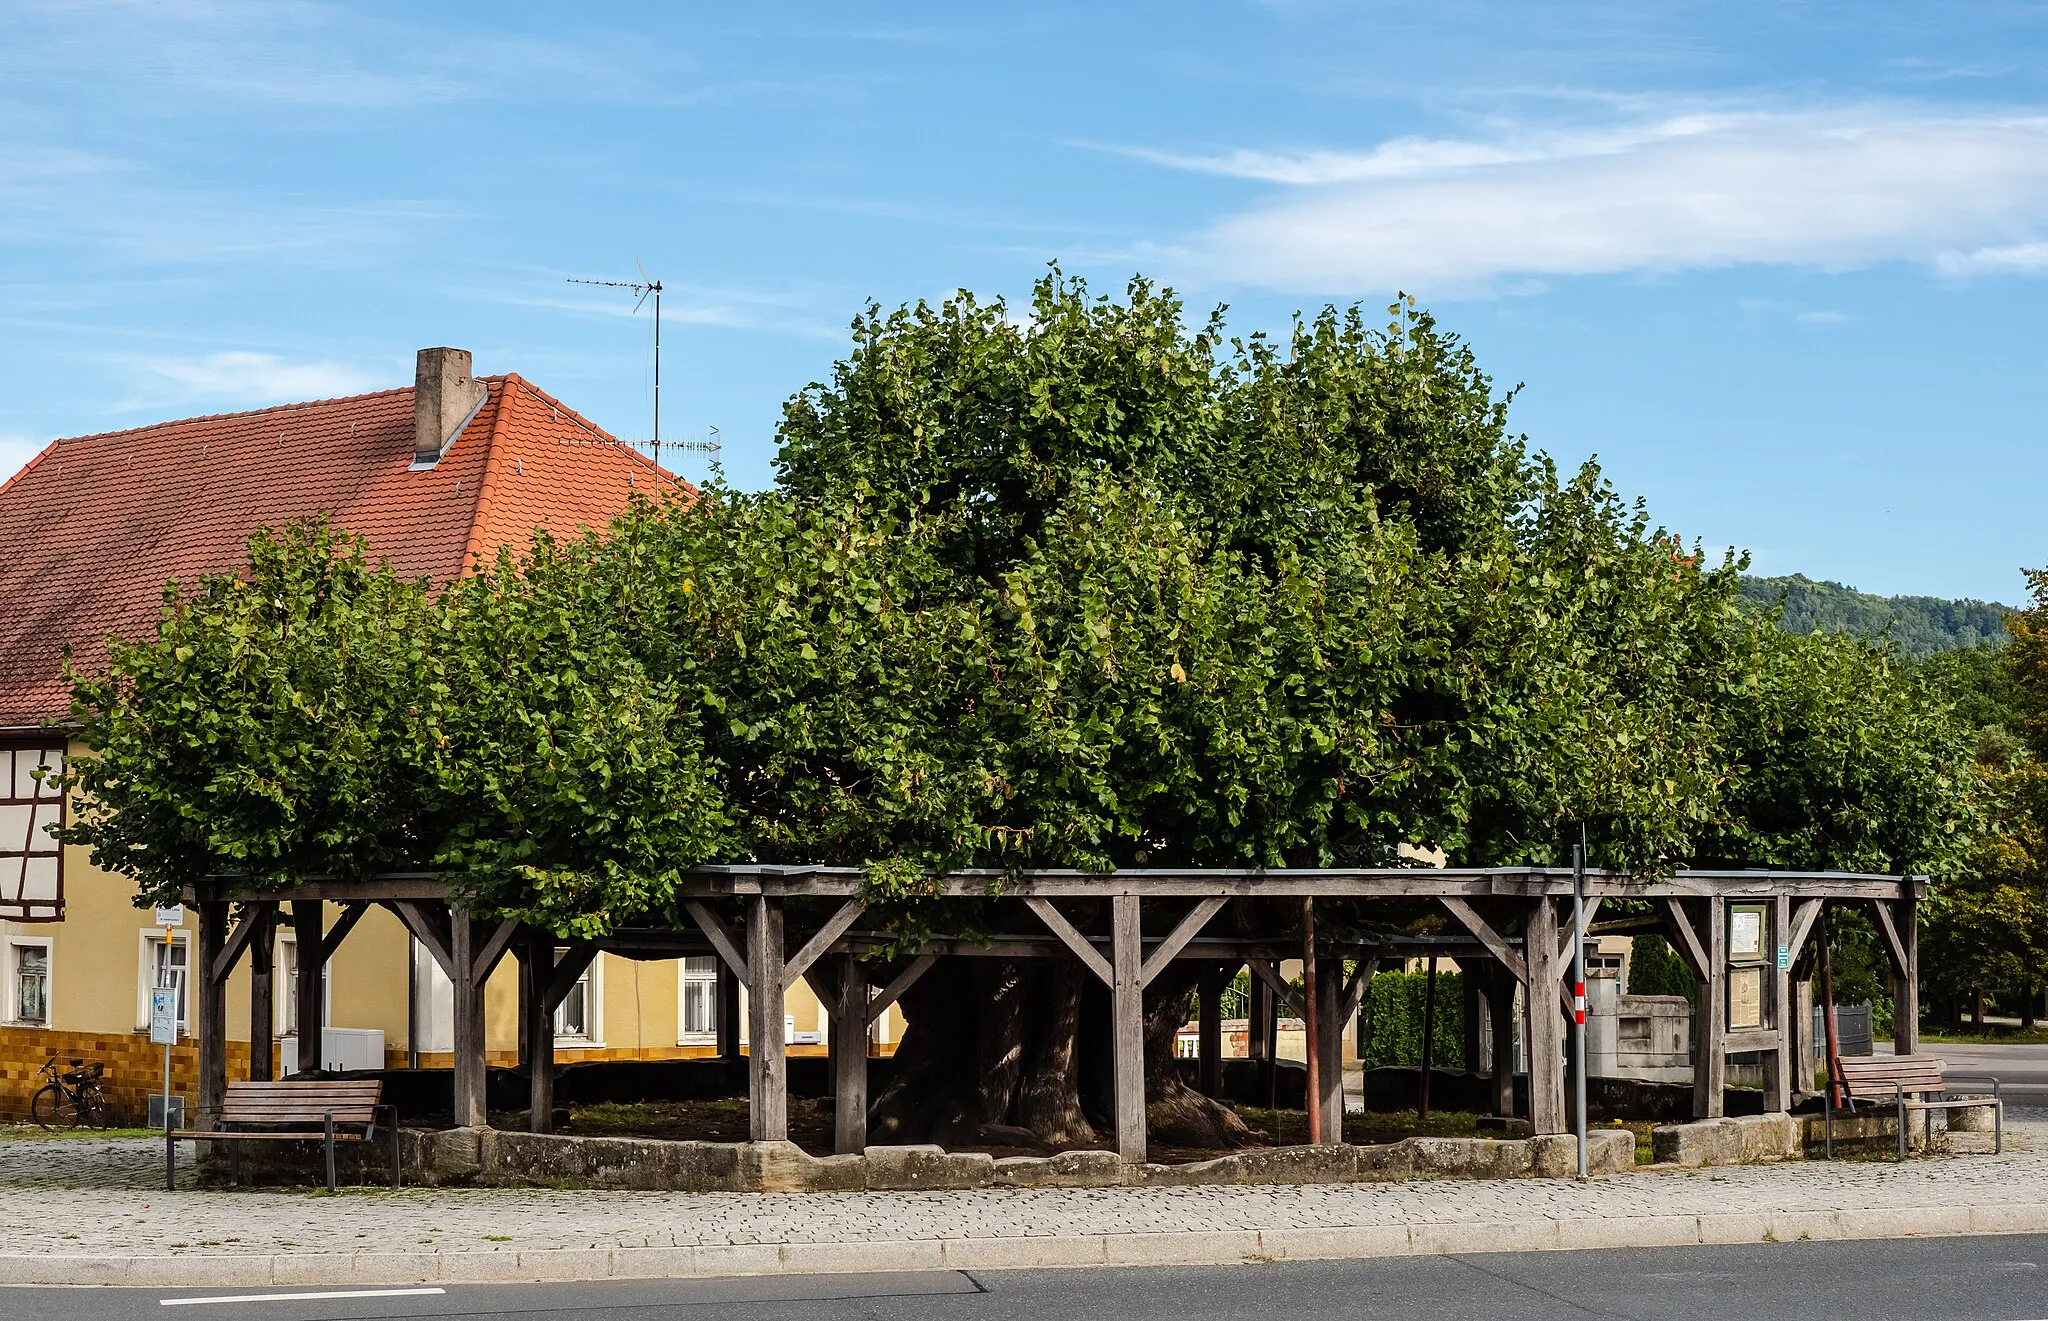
x=1824 y=318
x=2017 y=259
x=250 y=380
x=1821 y=189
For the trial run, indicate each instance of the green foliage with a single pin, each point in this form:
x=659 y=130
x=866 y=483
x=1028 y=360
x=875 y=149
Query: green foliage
x=1919 y=625
x=1393 y=1016
x=1076 y=589
x=1654 y=968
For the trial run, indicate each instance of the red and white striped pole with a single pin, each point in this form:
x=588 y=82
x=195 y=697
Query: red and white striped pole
x=1579 y=992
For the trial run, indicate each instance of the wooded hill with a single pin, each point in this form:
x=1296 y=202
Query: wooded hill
x=1922 y=625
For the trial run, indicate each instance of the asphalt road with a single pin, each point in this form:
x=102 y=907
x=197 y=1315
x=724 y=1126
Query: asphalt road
x=2021 y=1070
x=1957 y=1279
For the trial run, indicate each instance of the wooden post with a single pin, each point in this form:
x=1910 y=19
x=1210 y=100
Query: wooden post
x=1546 y=1019
x=262 y=993
x=212 y=1011
x=767 y=1067
x=1428 y=1041
x=467 y=1022
x=1468 y=1004
x=537 y=972
x=309 y=927
x=1500 y=1007
x=850 y=1059
x=728 y=1011
x=1311 y=1039
x=1127 y=1036
x=1778 y=1060
x=1209 y=1016
x=1802 y=1040
x=1906 y=980
x=1329 y=1047
x=1710 y=1017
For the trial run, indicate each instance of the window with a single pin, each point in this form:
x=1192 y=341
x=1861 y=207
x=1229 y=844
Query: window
x=285 y=988
x=577 y=1018
x=31 y=878
x=700 y=997
x=29 y=982
x=166 y=959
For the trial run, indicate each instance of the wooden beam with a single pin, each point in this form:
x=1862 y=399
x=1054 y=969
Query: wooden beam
x=1688 y=943
x=492 y=948
x=1360 y=983
x=1894 y=947
x=720 y=937
x=467 y=1023
x=1176 y=940
x=344 y=924
x=429 y=928
x=850 y=1024
x=767 y=1065
x=1803 y=918
x=568 y=970
x=1710 y=1015
x=238 y=940
x=1545 y=1038
x=1057 y=923
x=212 y=1015
x=1127 y=1027
x=835 y=927
x=902 y=982
x=1264 y=972
x=1487 y=936
x=1564 y=949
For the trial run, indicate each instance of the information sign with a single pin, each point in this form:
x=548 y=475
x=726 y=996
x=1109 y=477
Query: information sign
x=163 y=1016
x=174 y=916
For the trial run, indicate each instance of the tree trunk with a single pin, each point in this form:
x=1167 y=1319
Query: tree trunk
x=1049 y=1093
x=1175 y=1113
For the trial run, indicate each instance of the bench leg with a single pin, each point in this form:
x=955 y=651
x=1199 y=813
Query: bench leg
x=1902 y=1125
x=330 y=1151
x=391 y=1113
x=170 y=1164
x=234 y=1165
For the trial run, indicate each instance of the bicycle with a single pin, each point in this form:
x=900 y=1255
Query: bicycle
x=71 y=1099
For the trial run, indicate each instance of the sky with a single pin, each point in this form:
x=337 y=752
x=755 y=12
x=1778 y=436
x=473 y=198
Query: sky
x=1779 y=266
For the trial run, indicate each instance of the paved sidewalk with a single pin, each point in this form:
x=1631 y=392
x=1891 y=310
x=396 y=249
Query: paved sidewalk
x=94 y=1211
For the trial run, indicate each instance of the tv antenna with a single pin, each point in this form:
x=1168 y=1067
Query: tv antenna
x=643 y=287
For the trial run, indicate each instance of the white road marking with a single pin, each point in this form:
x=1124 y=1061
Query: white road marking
x=288 y=1297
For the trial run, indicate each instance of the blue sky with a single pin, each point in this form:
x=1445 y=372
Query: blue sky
x=1779 y=265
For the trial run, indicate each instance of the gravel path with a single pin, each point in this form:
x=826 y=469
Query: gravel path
x=103 y=1197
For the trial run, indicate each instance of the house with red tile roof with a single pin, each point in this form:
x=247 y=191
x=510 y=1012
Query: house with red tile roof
x=433 y=476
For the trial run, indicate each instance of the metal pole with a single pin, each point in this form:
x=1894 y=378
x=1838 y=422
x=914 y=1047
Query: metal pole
x=1579 y=994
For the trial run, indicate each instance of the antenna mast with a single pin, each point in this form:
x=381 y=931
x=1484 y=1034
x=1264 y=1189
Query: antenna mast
x=643 y=287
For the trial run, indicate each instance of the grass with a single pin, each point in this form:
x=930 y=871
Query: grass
x=35 y=1133
x=1990 y=1036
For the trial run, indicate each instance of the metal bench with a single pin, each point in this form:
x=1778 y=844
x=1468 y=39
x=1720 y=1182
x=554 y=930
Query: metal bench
x=316 y=1110
x=1908 y=1082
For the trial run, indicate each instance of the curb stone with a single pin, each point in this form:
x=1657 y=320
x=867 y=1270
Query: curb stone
x=1194 y=1248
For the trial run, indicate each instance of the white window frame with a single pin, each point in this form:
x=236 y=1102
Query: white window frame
x=284 y=989
x=685 y=1037
x=592 y=982
x=145 y=972
x=13 y=972
x=16 y=852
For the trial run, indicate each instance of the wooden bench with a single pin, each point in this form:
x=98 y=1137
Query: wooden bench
x=1915 y=1084
x=315 y=1110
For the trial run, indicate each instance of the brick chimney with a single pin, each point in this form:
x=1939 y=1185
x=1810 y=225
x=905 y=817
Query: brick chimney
x=445 y=397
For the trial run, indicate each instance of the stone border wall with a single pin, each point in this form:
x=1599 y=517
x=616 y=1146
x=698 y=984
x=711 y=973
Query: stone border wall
x=487 y=1156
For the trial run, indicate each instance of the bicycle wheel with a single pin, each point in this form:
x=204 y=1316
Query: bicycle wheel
x=52 y=1109
x=92 y=1107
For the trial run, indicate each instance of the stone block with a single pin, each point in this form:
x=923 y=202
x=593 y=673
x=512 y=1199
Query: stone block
x=927 y=1167
x=1336 y=1163
x=1732 y=1141
x=784 y=1167
x=1976 y=1119
x=1223 y=1169
x=1471 y=1158
x=1069 y=1169
x=1610 y=1151
x=1385 y=1162
x=449 y=1155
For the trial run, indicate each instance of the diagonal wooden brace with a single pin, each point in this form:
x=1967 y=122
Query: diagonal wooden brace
x=1056 y=921
x=720 y=937
x=814 y=948
x=1188 y=928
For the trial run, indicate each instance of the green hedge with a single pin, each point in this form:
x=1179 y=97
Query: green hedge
x=1654 y=968
x=1394 y=1020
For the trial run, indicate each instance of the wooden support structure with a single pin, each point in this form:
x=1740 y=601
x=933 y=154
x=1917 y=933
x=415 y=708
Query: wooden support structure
x=850 y=1026
x=1127 y=1026
x=467 y=1021
x=309 y=931
x=262 y=994
x=1500 y=1009
x=212 y=1012
x=726 y=1003
x=1778 y=977
x=1209 y=1034
x=767 y=1068
x=537 y=1035
x=1709 y=1008
x=1545 y=1034
x=1332 y=1000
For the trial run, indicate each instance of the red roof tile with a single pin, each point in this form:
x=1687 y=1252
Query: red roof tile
x=94 y=526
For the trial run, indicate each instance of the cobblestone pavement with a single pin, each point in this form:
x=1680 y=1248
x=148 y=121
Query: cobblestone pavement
x=87 y=1196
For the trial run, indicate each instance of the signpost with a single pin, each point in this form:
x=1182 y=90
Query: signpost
x=163 y=1010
